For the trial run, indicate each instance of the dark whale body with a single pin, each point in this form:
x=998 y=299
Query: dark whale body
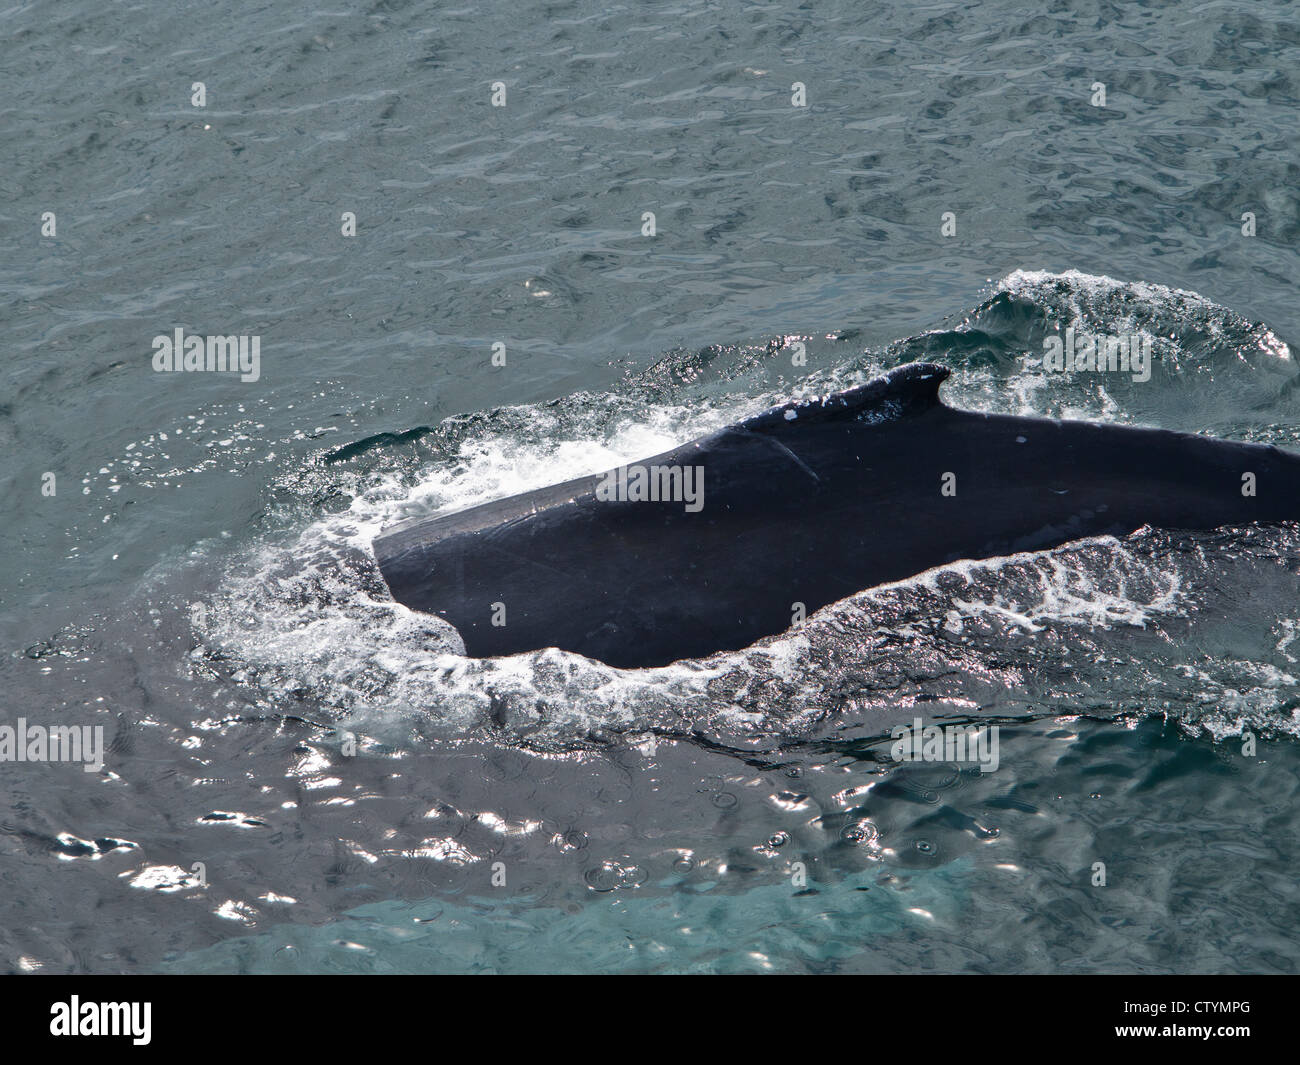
x=809 y=503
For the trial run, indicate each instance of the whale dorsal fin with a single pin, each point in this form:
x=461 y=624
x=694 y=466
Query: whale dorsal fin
x=904 y=390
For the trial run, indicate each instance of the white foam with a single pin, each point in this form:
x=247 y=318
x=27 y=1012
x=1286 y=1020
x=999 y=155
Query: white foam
x=1083 y=288
x=297 y=616
x=308 y=613
x=1100 y=285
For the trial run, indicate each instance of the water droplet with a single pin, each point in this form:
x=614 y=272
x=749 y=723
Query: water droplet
x=861 y=833
x=611 y=875
x=572 y=840
x=604 y=877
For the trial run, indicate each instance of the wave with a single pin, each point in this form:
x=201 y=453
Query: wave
x=303 y=622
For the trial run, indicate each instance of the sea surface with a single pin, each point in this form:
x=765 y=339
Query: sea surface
x=302 y=776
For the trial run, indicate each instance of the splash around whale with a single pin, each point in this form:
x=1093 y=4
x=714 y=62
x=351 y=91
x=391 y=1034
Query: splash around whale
x=799 y=507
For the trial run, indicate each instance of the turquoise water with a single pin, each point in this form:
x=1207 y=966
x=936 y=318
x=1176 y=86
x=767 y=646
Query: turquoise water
x=200 y=584
x=1195 y=839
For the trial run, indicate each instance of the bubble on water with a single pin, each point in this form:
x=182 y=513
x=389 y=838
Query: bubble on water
x=860 y=833
x=611 y=876
x=571 y=840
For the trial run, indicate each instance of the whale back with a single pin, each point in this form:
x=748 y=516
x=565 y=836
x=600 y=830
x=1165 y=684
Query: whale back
x=807 y=503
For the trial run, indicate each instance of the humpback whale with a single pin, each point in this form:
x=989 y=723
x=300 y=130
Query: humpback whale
x=727 y=539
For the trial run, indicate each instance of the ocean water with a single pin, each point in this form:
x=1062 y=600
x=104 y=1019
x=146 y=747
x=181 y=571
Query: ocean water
x=188 y=560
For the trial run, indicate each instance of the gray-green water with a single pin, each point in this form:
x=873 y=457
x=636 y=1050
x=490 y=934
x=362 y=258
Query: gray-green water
x=200 y=584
